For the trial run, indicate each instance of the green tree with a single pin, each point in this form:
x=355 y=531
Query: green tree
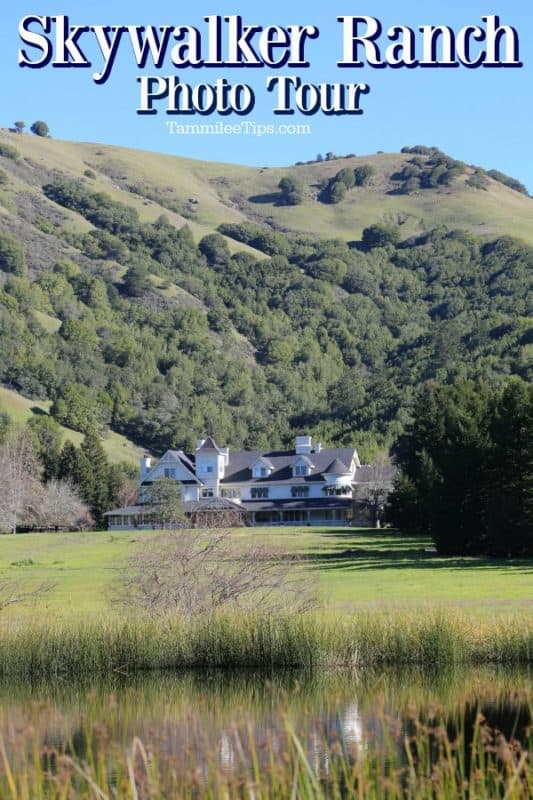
x=165 y=497
x=48 y=436
x=336 y=192
x=380 y=235
x=215 y=249
x=12 y=258
x=40 y=128
x=137 y=280
x=363 y=174
x=467 y=475
x=347 y=176
x=75 y=407
x=327 y=269
x=74 y=466
x=509 y=516
x=19 y=126
x=100 y=495
x=291 y=191
x=403 y=507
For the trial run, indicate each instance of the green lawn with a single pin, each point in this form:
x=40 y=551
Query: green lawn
x=357 y=569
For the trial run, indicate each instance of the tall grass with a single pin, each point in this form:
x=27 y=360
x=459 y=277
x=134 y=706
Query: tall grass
x=427 y=763
x=103 y=646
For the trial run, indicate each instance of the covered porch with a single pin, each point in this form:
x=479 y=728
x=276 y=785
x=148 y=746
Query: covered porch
x=326 y=511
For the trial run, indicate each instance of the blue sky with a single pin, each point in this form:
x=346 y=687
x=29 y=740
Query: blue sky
x=484 y=116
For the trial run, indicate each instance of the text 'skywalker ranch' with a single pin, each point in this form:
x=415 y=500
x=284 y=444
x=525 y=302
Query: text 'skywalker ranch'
x=225 y=42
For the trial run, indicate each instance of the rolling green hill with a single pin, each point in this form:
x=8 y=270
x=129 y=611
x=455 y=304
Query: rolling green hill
x=222 y=193
x=118 y=449
x=162 y=297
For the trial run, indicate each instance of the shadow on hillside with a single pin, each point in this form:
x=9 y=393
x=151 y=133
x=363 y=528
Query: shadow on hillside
x=272 y=198
x=39 y=412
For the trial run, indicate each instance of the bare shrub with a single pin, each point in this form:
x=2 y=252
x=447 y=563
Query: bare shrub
x=372 y=495
x=62 y=507
x=17 y=592
x=19 y=481
x=201 y=572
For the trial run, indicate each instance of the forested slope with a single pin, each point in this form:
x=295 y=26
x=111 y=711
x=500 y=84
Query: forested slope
x=168 y=307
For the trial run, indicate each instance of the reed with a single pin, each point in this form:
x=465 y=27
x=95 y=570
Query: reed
x=103 y=646
x=425 y=762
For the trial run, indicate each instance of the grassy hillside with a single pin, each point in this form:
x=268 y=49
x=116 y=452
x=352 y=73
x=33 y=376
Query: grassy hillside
x=20 y=409
x=231 y=193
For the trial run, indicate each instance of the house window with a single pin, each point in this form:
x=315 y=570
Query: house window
x=258 y=494
x=300 y=491
x=300 y=470
x=335 y=491
x=208 y=492
x=230 y=493
x=208 y=468
x=170 y=473
x=260 y=470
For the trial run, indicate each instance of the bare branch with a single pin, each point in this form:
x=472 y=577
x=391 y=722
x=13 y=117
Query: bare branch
x=19 y=481
x=193 y=573
x=13 y=592
x=372 y=494
x=62 y=507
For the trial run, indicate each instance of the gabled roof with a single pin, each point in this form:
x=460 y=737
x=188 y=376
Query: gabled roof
x=266 y=461
x=173 y=455
x=209 y=446
x=336 y=468
x=241 y=462
x=183 y=457
x=301 y=459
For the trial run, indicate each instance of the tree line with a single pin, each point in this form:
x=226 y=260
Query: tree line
x=466 y=464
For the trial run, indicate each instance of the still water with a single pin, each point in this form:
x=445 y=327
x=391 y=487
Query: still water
x=230 y=719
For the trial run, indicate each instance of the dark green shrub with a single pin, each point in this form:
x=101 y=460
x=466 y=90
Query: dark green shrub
x=12 y=258
x=40 y=128
x=380 y=235
x=291 y=191
x=511 y=183
x=363 y=174
x=478 y=181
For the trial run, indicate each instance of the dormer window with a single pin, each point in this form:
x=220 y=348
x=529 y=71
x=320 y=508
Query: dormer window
x=302 y=467
x=208 y=468
x=262 y=468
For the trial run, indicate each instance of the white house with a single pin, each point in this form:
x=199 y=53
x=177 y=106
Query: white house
x=309 y=484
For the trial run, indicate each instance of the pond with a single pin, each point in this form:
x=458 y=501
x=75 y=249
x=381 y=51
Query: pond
x=199 y=729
